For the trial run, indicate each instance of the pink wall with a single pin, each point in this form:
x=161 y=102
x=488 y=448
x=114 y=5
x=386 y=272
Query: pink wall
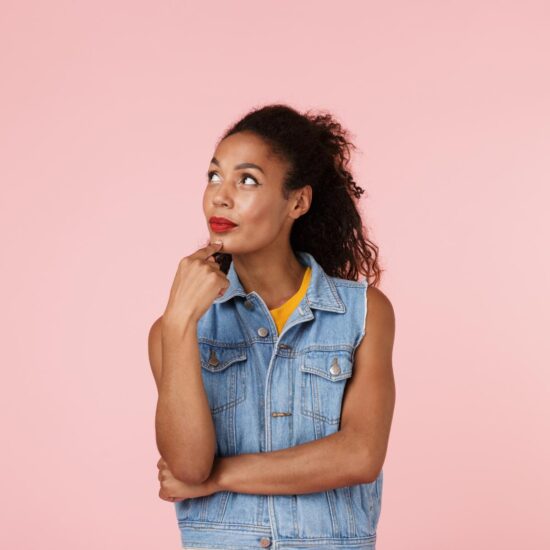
x=109 y=112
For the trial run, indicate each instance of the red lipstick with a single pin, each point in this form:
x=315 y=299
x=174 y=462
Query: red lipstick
x=221 y=225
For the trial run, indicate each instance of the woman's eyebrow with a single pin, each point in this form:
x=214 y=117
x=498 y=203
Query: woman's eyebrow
x=239 y=166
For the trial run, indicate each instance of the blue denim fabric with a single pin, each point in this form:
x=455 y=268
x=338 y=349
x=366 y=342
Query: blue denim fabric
x=251 y=375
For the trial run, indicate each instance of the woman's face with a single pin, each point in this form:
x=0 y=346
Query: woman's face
x=249 y=196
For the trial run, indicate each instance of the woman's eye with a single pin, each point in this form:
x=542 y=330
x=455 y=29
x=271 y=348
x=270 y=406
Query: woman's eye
x=249 y=177
x=210 y=174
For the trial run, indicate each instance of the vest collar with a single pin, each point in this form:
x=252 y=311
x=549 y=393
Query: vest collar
x=321 y=292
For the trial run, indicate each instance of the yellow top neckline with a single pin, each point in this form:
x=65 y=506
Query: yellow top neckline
x=298 y=293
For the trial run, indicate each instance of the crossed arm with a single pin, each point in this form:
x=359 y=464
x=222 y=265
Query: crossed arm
x=356 y=453
x=334 y=461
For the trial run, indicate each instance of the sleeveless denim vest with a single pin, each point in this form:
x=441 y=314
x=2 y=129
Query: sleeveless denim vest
x=268 y=392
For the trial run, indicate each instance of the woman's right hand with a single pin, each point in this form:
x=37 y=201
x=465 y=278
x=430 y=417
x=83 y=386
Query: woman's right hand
x=198 y=282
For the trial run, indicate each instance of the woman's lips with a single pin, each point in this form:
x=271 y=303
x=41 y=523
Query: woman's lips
x=219 y=227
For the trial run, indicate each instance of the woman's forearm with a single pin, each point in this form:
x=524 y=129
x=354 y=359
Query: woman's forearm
x=185 y=430
x=334 y=461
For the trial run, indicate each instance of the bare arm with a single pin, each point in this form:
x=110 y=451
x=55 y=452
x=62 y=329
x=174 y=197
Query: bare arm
x=185 y=432
x=370 y=395
x=337 y=460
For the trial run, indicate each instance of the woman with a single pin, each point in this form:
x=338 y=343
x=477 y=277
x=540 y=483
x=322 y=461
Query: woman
x=276 y=389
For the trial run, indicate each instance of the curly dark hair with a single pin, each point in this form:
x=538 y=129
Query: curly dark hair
x=317 y=149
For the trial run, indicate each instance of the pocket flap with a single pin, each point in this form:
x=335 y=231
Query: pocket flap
x=330 y=364
x=217 y=358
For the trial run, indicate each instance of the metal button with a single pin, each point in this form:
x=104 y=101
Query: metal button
x=262 y=331
x=213 y=360
x=265 y=542
x=248 y=304
x=335 y=368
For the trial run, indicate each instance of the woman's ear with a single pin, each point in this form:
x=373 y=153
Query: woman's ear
x=305 y=194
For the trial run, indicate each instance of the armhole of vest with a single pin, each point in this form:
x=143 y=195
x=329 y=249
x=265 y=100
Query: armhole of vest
x=365 y=309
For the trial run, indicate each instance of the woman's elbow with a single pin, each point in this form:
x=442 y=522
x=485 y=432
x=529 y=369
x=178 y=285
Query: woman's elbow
x=192 y=474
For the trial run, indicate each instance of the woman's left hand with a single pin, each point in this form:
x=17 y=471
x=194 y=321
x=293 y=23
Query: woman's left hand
x=172 y=489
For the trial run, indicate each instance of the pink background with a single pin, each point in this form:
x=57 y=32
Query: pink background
x=109 y=113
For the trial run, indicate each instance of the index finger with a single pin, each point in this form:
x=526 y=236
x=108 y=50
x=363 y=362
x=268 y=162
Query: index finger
x=207 y=251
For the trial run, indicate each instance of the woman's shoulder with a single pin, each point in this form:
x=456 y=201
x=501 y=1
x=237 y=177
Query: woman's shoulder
x=380 y=310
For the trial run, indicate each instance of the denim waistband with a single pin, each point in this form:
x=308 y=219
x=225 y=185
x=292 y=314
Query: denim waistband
x=205 y=537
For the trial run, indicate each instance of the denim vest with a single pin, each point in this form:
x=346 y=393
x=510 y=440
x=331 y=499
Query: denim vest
x=268 y=392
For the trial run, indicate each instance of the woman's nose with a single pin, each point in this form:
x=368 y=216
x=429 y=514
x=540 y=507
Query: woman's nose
x=222 y=195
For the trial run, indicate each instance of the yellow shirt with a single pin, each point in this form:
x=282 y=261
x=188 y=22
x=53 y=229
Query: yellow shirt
x=282 y=313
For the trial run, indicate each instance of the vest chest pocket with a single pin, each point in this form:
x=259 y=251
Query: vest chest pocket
x=223 y=375
x=324 y=374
